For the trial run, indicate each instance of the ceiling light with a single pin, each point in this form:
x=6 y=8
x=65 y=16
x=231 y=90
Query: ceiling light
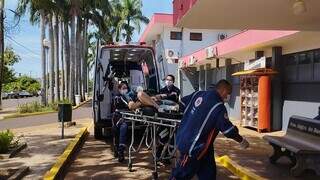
x=115 y=58
x=117 y=50
x=116 y=54
x=134 y=50
x=129 y=58
x=299 y=7
x=131 y=54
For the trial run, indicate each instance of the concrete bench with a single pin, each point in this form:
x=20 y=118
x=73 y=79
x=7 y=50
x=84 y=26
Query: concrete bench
x=301 y=144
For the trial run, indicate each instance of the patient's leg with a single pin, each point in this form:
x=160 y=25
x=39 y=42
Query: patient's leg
x=146 y=100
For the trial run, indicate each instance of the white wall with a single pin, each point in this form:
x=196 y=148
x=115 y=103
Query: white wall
x=209 y=37
x=185 y=46
x=300 y=108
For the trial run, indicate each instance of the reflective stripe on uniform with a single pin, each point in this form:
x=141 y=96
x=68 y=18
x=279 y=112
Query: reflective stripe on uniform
x=202 y=126
x=228 y=130
x=124 y=101
x=190 y=101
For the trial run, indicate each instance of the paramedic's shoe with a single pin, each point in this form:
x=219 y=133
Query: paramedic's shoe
x=121 y=157
x=166 y=161
x=244 y=144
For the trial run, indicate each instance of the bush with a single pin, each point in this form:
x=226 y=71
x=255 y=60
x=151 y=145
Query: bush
x=30 y=107
x=37 y=107
x=6 y=140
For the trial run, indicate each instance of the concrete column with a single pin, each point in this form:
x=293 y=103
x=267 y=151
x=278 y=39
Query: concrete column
x=276 y=89
x=207 y=76
x=201 y=78
x=228 y=70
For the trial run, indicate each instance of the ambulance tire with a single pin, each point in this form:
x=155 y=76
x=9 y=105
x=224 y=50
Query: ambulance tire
x=98 y=133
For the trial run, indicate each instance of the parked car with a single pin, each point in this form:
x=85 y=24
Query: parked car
x=24 y=94
x=13 y=95
x=4 y=95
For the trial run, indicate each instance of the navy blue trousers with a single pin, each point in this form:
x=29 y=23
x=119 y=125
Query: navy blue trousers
x=120 y=129
x=187 y=167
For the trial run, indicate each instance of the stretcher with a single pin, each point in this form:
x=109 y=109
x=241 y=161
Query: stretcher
x=153 y=123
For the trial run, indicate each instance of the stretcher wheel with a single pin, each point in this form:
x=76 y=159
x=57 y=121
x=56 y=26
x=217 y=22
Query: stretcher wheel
x=155 y=175
x=130 y=167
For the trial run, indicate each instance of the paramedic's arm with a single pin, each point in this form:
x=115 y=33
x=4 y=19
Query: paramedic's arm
x=229 y=130
x=174 y=96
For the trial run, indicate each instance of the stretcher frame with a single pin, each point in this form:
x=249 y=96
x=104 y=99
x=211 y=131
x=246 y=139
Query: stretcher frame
x=152 y=124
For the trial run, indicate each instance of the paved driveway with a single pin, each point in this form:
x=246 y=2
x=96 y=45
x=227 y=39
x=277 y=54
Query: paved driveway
x=85 y=111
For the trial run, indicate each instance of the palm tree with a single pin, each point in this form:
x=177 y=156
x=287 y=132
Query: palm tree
x=51 y=58
x=132 y=17
x=62 y=61
x=74 y=11
x=56 y=55
x=37 y=9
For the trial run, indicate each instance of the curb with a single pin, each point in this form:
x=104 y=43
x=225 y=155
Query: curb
x=39 y=113
x=236 y=169
x=82 y=103
x=56 y=171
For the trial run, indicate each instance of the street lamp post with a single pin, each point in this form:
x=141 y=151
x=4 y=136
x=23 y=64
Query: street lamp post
x=46 y=46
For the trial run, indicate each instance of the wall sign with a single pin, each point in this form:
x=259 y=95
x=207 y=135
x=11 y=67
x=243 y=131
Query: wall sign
x=256 y=64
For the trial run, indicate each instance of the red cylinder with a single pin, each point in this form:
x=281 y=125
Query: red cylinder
x=264 y=99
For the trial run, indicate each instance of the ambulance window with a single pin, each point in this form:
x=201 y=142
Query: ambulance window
x=149 y=71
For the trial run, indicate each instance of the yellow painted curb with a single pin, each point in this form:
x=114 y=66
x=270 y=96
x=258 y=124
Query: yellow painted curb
x=27 y=114
x=61 y=162
x=236 y=169
x=82 y=103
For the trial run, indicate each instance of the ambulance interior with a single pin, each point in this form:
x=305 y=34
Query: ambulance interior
x=135 y=66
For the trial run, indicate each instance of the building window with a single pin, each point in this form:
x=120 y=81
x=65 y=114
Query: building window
x=291 y=59
x=175 y=35
x=317 y=56
x=305 y=58
x=195 y=36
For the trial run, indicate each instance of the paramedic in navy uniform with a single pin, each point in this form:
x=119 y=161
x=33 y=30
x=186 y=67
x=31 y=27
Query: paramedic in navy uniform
x=204 y=117
x=170 y=91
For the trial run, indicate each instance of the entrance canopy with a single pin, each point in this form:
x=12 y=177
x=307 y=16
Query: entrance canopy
x=247 y=14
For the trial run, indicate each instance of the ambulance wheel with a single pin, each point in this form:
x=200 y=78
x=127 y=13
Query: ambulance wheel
x=130 y=167
x=155 y=175
x=98 y=133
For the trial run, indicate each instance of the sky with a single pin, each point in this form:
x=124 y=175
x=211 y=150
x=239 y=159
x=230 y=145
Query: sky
x=25 y=37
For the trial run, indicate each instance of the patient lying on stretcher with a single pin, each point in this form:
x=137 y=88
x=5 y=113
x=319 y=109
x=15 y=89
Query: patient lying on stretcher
x=141 y=99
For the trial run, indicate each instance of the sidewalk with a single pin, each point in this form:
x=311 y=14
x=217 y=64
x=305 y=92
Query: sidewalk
x=95 y=161
x=256 y=158
x=6 y=112
x=44 y=146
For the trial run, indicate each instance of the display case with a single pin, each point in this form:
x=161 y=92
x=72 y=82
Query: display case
x=255 y=100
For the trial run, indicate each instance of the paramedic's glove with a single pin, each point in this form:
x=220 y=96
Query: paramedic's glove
x=244 y=144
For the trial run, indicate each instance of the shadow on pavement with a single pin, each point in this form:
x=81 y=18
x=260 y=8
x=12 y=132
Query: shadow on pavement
x=256 y=158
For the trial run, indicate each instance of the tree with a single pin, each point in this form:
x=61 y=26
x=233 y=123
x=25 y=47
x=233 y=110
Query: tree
x=51 y=60
x=24 y=83
x=56 y=55
x=10 y=58
x=132 y=17
x=36 y=9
